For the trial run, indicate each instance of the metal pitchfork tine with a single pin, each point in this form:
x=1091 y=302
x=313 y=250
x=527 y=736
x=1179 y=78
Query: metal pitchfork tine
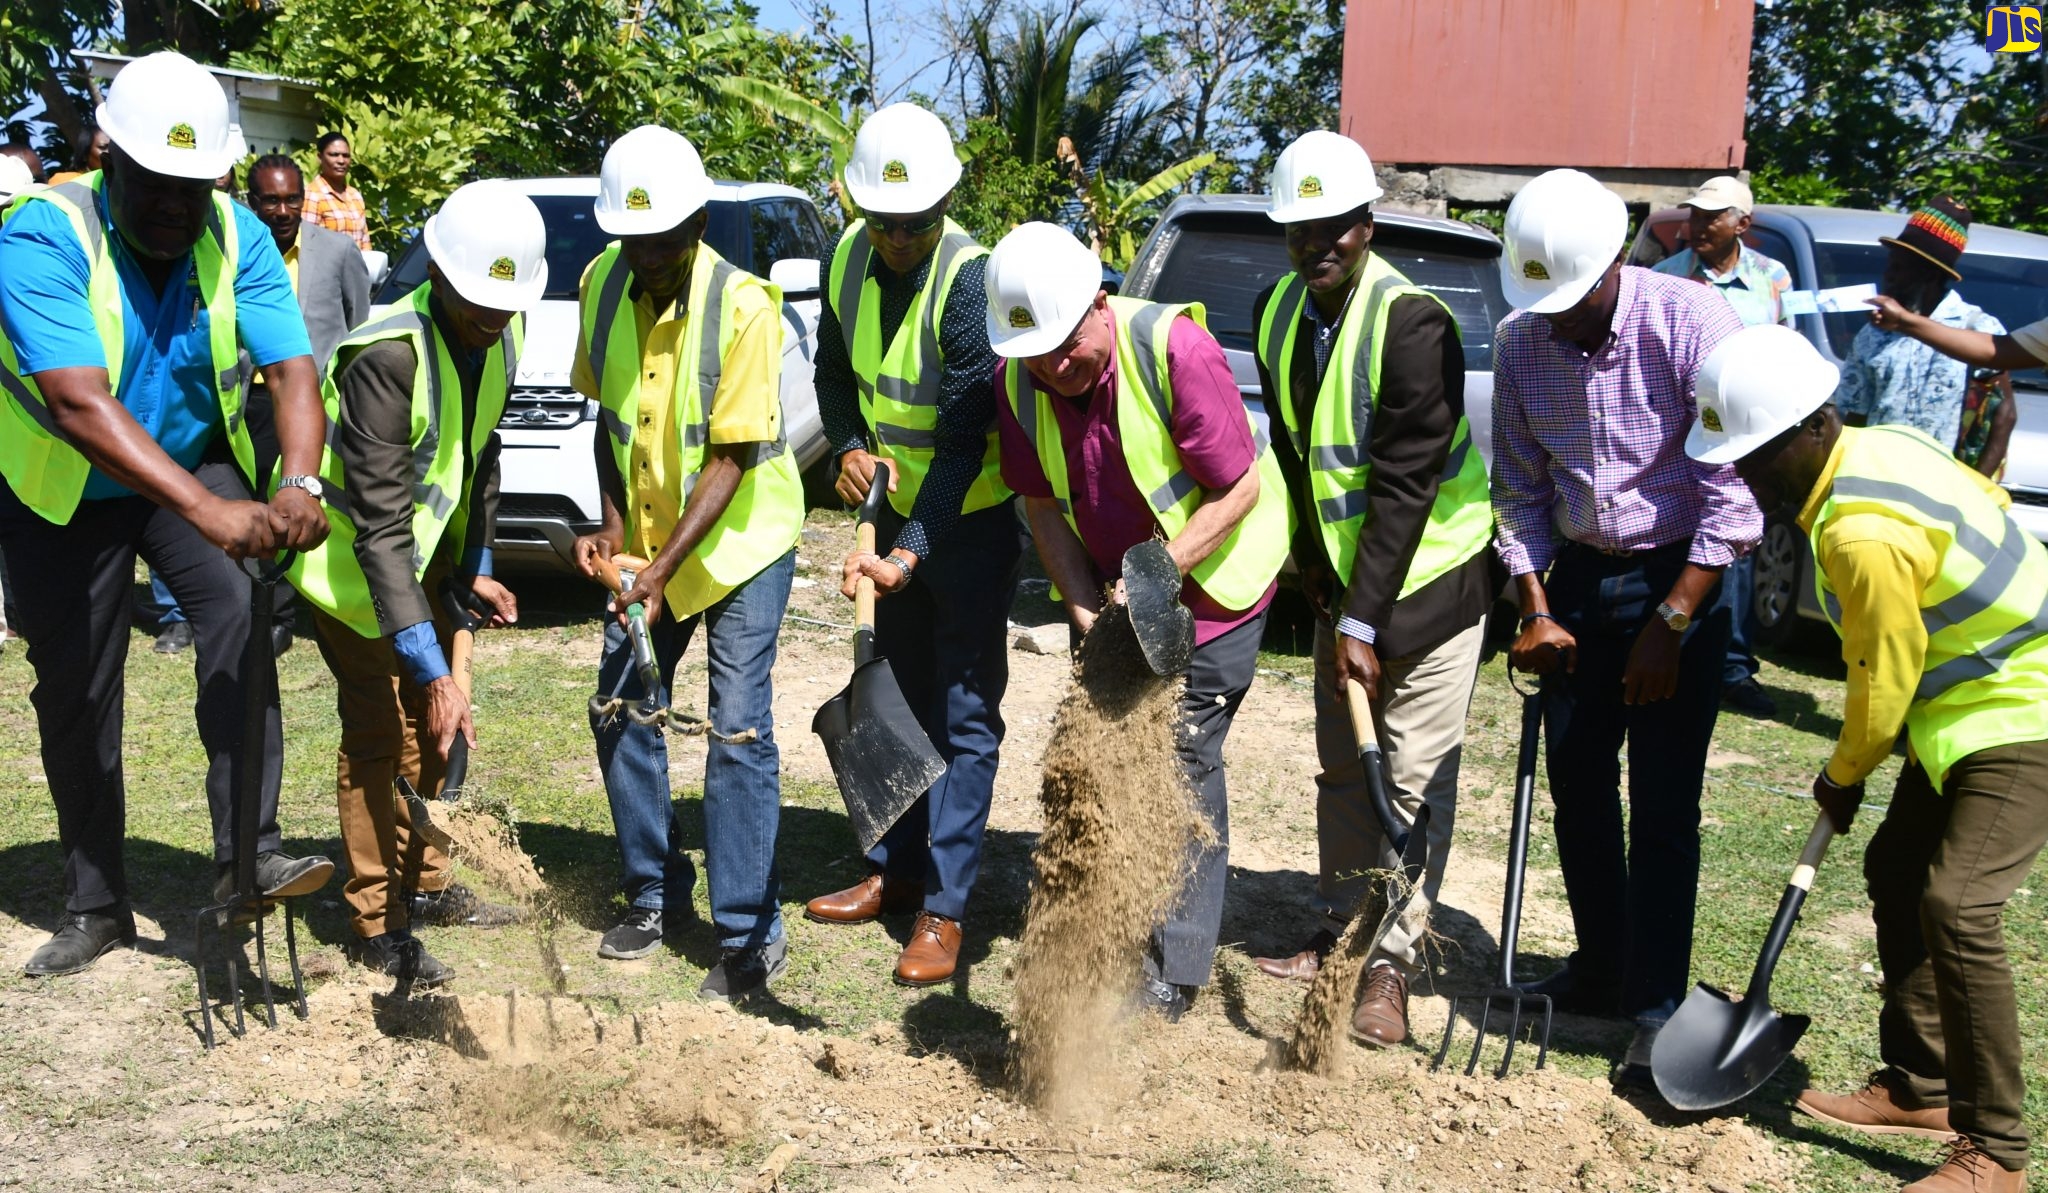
x=259 y=685
x=1511 y=913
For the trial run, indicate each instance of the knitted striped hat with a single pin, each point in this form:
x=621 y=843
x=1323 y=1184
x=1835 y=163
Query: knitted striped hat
x=1938 y=232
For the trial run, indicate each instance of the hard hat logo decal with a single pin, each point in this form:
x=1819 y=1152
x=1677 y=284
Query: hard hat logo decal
x=1310 y=188
x=182 y=137
x=1020 y=317
x=502 y=270
x=895 y=172
x=1710 y=418
x=637 y=200
x=1533 y=270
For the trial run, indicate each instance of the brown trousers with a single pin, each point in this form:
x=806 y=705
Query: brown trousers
x=1940 y=869
x=381 y=712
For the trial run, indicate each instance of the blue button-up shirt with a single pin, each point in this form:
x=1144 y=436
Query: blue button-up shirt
x=167 y=378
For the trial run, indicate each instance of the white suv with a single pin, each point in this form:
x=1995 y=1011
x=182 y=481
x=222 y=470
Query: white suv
x=548 y=490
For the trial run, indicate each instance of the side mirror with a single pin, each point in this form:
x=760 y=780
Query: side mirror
x=796 y=277
x=378 y=262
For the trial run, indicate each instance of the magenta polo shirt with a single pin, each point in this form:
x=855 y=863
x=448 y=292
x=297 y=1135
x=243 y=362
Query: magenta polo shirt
x=1210 y=431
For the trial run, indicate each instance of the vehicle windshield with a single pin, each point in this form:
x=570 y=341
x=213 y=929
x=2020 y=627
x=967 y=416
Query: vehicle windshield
x=2014 y=290
x=1223 y=262
x=574 y=241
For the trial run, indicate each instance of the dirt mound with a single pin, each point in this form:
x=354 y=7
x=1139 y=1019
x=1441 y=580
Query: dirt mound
x=1119 y=822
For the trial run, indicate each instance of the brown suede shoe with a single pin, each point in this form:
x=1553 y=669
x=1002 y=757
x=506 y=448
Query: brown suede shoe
x=1381 y=1019
x=1969 y=1169
x=1302 y=966
x=1879 y=1108
x=933 y=951
x=864 y=900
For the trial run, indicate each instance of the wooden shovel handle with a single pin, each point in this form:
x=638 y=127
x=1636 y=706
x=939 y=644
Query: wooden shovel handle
x=1360 y=706
x=460 y=652
x=608 y=570
x=864 y=588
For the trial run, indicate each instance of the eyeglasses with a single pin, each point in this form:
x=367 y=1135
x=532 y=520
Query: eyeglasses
x=916 y=225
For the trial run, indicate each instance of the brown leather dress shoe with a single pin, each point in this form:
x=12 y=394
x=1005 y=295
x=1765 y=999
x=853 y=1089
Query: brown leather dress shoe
x=933 y=951
x=1302 y=966
x=1969 y=1169
x=863 y=901
x=1381 y=1019
x=1879 y=1108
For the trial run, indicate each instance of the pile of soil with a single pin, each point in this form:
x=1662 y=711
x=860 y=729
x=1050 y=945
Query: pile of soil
x=1319 y=1045
x=1120 y=820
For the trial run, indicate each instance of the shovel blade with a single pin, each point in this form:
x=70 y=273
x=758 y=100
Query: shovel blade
x=1716 y=1051
x=879 y=753
x=1165 y=628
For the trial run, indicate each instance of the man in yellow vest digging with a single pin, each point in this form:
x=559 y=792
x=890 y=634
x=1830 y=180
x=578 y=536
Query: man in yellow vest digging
x=1119 y=422
x=682 y=351
x=124 y=296
x=903 y=369
x=1364 y=378
x=411 y=476
x=1942 y=603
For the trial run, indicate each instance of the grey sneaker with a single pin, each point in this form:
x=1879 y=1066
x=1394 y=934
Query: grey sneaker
x=745 y=971
x=633 y=937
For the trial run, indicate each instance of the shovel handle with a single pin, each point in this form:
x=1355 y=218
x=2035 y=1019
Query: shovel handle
x=1789 y=906
x=1816 y=849
x=864 y=588
x=1374 y=761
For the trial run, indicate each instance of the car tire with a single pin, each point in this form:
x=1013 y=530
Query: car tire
x=1780 y=568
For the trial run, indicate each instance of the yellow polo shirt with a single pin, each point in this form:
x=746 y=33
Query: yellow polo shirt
x=291 y=269
x=747 y=407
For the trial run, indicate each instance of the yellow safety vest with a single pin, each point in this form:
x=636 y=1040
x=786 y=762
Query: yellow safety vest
x=1240 y=570
x=329 y=575
x=1986 y=611
x=42 y=467
x=899 y=383
x=767 y=511
x=1335 y=446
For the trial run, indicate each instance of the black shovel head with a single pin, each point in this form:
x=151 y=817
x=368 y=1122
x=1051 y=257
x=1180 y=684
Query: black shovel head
x=1165 y=628
x=879 y=753
x=1715 y=1050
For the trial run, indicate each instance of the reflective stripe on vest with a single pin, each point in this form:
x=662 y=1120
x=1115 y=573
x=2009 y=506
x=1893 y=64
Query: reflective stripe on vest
x=439 y=472
x=38 y=461
x=1985 y=680
x=1334 y=444
x=1240 y=570
x=766 y=513
x=898 y=382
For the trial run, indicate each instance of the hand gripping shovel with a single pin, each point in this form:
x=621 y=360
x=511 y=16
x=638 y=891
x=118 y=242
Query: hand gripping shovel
x=1510 y=916
x=879 y=753
x=618 y=574
x=259 y=688
x=1716 y=1050
x=1164 y=627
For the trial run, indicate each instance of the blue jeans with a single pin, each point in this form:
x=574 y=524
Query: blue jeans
x=945 y=637
x=1632 y=896
x=1738 y=592
x=167 y=611
x=742 y=783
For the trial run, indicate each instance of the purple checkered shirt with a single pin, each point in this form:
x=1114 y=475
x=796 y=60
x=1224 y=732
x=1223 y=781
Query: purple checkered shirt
x=1593 y=446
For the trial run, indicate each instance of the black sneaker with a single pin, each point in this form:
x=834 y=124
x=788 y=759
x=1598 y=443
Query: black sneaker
x=633 y=937
x=173 y=637
x=458 y=906
x=745 y=971
x=1163 y=999
x=386 y=954
x=1576 y=992
x=1749 y=698
x=81 y=939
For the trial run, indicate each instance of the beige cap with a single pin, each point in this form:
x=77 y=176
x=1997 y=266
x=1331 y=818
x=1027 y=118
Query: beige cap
x=1719 y=194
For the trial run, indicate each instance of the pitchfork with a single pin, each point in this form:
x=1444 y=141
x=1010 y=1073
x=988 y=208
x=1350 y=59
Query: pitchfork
x=1511 y=913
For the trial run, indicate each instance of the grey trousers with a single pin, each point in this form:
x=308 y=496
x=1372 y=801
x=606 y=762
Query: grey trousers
x=1184 y=947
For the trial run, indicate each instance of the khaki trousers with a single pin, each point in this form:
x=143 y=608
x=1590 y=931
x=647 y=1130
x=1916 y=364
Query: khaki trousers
x=1421 y=711
x=381 y=713
x=1939 y=870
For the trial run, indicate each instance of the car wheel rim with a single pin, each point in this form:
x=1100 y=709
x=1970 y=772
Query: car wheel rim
x=1777 y=574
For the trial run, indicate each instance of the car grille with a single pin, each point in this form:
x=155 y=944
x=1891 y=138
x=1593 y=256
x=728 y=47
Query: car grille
x=533 y=408
x=538 y=505
x=2029 y=496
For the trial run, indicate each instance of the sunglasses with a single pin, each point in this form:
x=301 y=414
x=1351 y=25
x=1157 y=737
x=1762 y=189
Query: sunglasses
x=916 y=225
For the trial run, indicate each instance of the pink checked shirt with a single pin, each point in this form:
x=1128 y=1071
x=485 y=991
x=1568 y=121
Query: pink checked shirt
x=1593 y=446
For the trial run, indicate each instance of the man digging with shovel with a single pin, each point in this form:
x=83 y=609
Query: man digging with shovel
x=1120 y=422
x=411 y=480
x=1942 y=604
x=683 y=352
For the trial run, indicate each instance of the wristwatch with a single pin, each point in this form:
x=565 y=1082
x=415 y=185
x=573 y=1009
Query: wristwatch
x=1679 y=620
x=311 y=484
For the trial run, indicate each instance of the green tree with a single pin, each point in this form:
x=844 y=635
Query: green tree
x=1293 y=88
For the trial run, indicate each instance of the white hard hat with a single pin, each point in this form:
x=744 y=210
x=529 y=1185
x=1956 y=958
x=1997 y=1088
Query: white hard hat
x=171 y=117
x=491 y=245
x=14 y=176
x=652 y=179
x=902 y=162
x=1323 y=174
x=1758 y=383
x=1040 y=282
x=1562 y=232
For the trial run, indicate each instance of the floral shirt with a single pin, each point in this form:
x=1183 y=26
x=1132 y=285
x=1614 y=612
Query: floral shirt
x=343 y=211
x=1755 y=287
x=1893 y=378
